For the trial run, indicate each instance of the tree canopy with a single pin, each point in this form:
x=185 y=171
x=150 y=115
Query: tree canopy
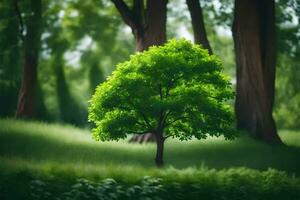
x=175 y=90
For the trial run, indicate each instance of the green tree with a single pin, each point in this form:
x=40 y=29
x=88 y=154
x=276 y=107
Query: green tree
x=147 y=20
x=175 y=90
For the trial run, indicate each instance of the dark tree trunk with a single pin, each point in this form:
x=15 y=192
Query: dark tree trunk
x=147 y=137
x=254 y=38
x=153 y=31
x=26 y=101
x=27 y=95
x=159 y=149
x=148 y=26
x=200 y=35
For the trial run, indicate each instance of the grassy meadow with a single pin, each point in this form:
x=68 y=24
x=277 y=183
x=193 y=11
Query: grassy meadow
x=62 y=154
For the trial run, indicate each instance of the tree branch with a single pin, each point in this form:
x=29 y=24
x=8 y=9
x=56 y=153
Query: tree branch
x=171 y=84
x=140 y=123
x=126 y=14
x=175 y=120
x=165 y=117
x=166 y=137
x=160 y=91
x=146 y=120
x=141 y=113
x=20 y=19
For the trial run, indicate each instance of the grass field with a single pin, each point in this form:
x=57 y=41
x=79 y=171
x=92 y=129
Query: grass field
x=40 y=150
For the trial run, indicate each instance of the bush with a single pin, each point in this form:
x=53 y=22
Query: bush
x=232 y=184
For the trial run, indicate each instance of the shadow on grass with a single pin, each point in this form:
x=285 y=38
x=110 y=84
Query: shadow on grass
x=212 y=153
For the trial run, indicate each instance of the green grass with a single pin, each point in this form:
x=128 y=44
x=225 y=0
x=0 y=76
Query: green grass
x=39 y=145
x=34 y=150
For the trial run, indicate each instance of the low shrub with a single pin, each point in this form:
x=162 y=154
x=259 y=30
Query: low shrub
x=232 y=184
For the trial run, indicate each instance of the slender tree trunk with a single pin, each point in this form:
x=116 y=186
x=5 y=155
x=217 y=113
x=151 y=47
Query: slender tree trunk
x=96 y=77
x=254 y=38
x=159 y=149
x=67 y=106
x=200 y=35
x=27 y=95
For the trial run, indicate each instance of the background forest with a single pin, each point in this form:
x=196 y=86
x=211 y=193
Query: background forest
x=80 y=44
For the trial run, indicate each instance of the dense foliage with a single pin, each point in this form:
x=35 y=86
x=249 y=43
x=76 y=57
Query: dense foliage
x=177 y=89
x=232 y=184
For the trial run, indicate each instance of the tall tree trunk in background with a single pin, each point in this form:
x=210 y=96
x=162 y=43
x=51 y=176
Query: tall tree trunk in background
x=27 y=94
x=10 y=59
x=153 y=30
x=200 y=35
x=254 y=38
x=96 y=76
x=148 y=25
x=68 y=108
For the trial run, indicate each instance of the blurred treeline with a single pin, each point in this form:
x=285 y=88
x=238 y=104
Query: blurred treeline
x=82 y=41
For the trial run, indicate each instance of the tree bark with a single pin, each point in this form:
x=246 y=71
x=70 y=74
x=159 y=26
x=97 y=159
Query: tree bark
x=148 y=24
x=27 y=95
x=147 y=137
x=159 y=149
x=254 y=39
x=154 y=27
x=200 y=35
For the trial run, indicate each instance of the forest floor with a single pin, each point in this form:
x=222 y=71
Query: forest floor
x=35 y=150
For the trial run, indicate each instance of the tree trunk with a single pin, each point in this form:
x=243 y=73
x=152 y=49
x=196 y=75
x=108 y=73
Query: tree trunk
x=200 y=35
x=147 y=137
x=96 y=76
x=154 y=31
x=68 y=107
x=159 y=149
x=26 y=102
x=27 y=95
x=254 y=38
